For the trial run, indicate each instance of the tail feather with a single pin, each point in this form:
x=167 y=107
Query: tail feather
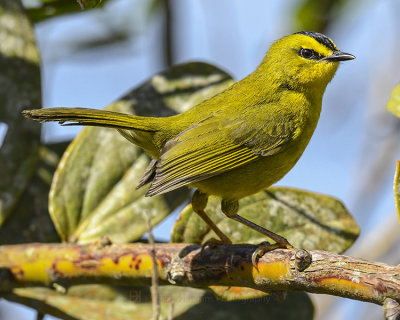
x=93 y=117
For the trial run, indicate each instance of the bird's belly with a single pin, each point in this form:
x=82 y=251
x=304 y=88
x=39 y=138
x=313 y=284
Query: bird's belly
x=251 y=178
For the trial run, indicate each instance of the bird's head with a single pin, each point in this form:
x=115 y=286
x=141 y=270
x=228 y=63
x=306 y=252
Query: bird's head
x=305 y=60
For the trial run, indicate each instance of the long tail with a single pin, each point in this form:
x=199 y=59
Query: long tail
x=93 y=117
x=138 y=130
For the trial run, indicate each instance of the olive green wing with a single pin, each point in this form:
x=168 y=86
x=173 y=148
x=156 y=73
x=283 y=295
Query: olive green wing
x=214 y=146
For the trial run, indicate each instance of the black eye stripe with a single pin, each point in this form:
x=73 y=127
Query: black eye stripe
x=309 y=54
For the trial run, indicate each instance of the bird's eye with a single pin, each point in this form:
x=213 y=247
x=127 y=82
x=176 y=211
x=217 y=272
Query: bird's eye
x=306 y=53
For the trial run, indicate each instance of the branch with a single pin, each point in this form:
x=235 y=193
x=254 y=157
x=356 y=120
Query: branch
x=184 y=265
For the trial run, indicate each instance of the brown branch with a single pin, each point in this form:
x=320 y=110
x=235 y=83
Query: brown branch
x=184 y=265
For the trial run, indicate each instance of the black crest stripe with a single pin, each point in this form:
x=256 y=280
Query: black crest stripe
x=321 y=38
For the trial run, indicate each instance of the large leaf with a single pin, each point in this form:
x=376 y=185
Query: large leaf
x=30 y=220
x=394 y=102
x=20 y=86
x=87 y=4
x=45 y=9
x=93 y=192
x=308 y=220
x=105 y=302
x=296 y=306
x=236 y=293
x=318 y=15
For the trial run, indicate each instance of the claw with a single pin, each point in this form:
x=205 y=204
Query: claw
x=265 y=247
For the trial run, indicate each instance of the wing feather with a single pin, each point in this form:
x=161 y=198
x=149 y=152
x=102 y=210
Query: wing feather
x=214 y=146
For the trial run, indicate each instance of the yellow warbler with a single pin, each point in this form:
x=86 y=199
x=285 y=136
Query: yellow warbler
x=239 y=141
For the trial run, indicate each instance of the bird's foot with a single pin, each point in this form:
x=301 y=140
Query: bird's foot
x=265 y=247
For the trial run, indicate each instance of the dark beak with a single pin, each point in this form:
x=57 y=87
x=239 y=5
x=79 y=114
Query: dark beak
x=339 y=56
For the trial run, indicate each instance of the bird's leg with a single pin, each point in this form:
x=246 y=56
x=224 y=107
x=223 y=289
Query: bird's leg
x=199 y=203
x=230 y=209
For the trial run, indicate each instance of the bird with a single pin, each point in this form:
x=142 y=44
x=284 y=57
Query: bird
x=237 y=142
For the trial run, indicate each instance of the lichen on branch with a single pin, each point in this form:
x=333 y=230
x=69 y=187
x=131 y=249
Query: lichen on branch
x=185 y=265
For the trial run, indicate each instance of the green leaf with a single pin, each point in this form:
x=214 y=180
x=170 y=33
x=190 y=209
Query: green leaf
x=47 y=9
x=318 y=15
x=105 y=302
x=87 y=4
x=30 y=220
x=20 y=86
x=236 y=293
x=396 y=188
x=308 y=220
x=296 y=306
x=93 y=193
x=394 y=102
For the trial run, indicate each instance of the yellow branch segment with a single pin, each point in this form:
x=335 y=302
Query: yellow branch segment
x=185 y=265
